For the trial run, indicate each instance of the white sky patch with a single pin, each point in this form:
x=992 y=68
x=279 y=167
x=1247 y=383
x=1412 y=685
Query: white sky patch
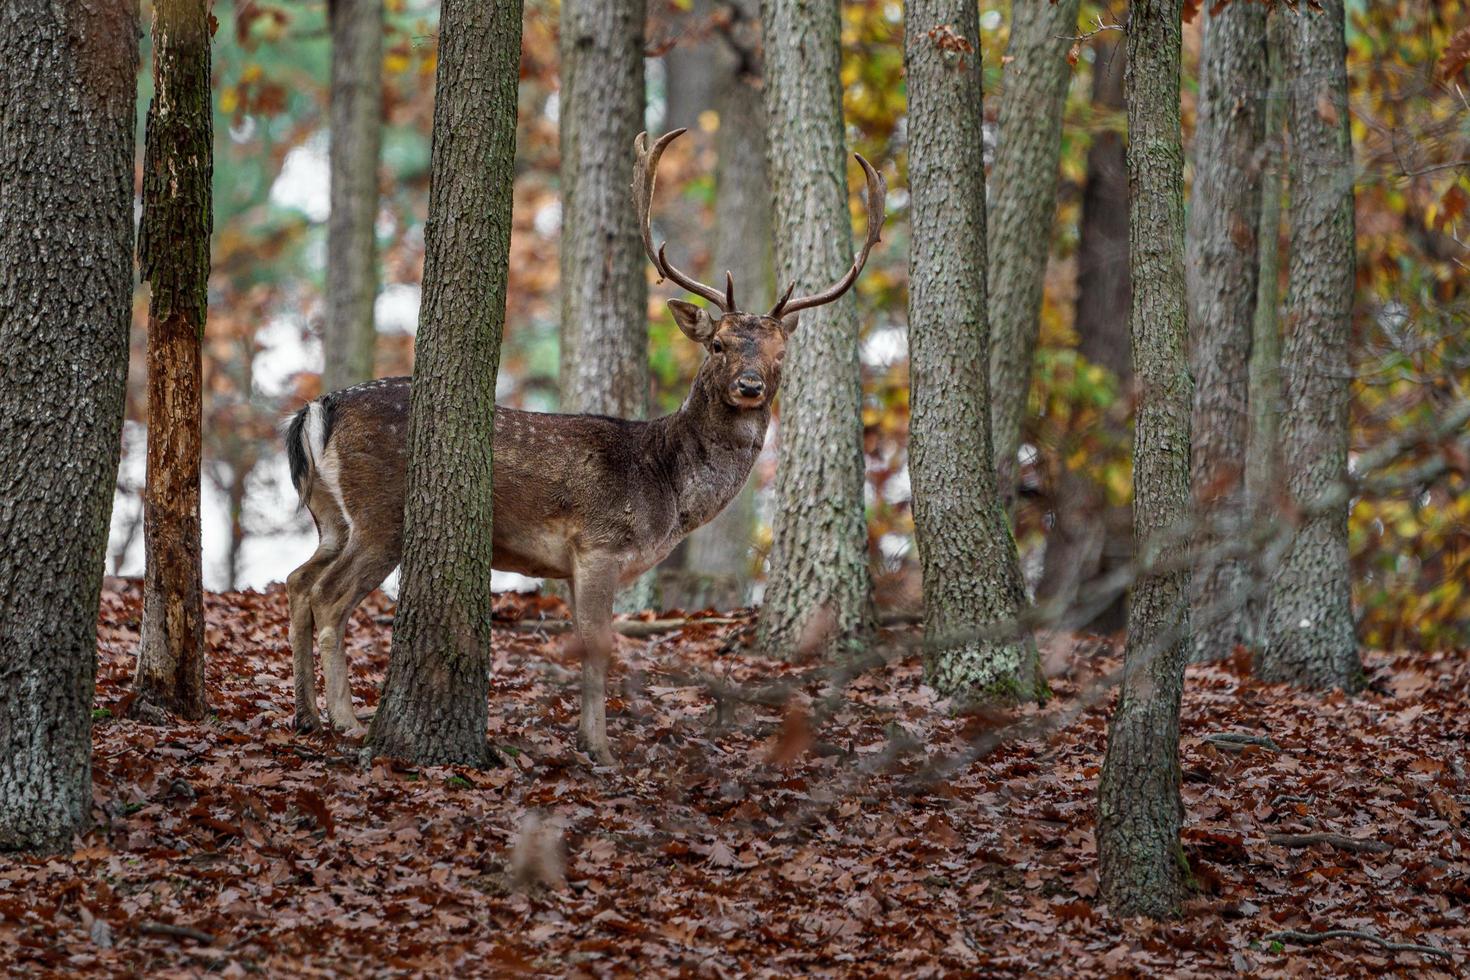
x=886 y=346
x=305 y=180
x=285 y=351
x=396 y=310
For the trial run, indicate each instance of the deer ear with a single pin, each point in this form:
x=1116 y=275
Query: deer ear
x=788 y=323
x=693 y=320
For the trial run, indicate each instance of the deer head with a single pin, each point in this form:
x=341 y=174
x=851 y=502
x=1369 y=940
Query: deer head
x=745 y=349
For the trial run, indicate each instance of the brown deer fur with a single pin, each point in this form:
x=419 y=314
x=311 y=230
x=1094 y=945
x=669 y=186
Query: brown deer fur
x=588 y=498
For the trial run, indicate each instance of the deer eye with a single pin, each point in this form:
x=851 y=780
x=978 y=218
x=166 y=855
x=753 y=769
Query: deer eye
x=717 y=347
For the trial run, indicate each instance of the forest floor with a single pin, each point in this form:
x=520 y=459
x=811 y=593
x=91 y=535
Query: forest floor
x=792 y=840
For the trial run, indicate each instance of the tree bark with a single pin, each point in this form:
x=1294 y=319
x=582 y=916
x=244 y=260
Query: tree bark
x=691 y=77
x=173 y=254
x=434 y=707
x=349 y=338
x=1222 y=268
x=719 y=553
x=818 y=597
x=971 y=573
x=1142 y=869
x=1312 y=638
x=1090 y=536
x=1023 y=205
x=68 y=84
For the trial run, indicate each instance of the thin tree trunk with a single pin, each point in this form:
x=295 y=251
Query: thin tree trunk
x=972 y=576
x=719 y=553
x=604 y=288
x=1222 y=267
x=1263 y=454
x=434 y=708
x=68 y=84
x=691 y=78
x=349 y=338
x=1091 y=536
x=818 y=598
x=173 y=253
x=1142 y=869
x=1023 y=204
x=1312 y=638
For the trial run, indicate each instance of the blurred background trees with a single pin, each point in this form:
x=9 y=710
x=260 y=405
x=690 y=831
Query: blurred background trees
x=272 y=70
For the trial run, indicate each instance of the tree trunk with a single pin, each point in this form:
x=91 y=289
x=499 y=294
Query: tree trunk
x=1262 y=456
x=1090 y=536
x=348 y=335
x=1142 y=869
x=818 y=598
x=434 y=706
x=173 y=254
x=1222 y=266
x=719 y=553
x=1024 y=186
x=604 y=288
x=971 y=574
x=1312 y=639
x=68 y=82
x=691 y=77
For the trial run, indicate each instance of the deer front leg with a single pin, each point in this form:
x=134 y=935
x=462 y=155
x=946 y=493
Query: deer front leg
x=594 y=580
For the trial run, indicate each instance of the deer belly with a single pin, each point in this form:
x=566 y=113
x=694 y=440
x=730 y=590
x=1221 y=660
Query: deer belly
x=538 y=552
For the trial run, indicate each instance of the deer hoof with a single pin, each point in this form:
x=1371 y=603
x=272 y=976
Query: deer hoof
x=308 y=721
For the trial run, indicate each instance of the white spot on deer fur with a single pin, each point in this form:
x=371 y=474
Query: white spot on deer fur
x=314 y=436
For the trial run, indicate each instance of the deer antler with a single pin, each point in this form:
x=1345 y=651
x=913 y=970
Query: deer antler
x=644 y=171
x=877 y=192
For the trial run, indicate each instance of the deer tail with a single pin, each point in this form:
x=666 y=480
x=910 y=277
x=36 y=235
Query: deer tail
x=307 y=433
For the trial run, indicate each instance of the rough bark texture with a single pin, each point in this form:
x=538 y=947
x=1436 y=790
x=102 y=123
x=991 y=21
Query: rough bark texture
x=1262 y=461
x=1142 y=869
x=719 y=554
x=1089 y=536
x=972 y=576
x=1312 y=639
x=173 y=253
x=1023 y=204
x=604 y=289
x=348 y=335
x=818 y=597
x=68 y=86
x=1222 y=263
x=434 y=707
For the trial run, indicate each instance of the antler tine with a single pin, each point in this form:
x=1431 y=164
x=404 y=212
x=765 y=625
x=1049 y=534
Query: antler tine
x=729 y=291
x=877 y=194
x=645 y=170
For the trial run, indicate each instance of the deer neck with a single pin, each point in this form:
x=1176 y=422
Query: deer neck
x=711 y=448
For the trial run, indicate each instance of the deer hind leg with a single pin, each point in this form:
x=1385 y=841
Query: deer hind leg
x=299 y=585
x=594 y=581
x=339 y=591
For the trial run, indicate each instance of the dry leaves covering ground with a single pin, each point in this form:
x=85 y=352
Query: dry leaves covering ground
x=776 y=845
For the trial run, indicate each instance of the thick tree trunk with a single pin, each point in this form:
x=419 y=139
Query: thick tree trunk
x=818 y=598
x=1263 y=454
x=1312 y=638
x=972 y=576
x=434 y=708
x=691 y=75
x=1024 y=198
x=1222 y=265
x=173 y=253
x=68 y=84
x=604 y=288
x=1141 y=864
x=349 y=338
x=1090 y=536
x=719 y=553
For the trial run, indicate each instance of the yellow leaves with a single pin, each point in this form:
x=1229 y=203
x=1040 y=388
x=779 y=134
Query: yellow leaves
x=229 y=101
x=395 y=63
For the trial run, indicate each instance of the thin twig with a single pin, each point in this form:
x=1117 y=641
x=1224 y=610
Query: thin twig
x=1237 y=741
x=180 y=932
x=1335 y=840
x=1313 y=938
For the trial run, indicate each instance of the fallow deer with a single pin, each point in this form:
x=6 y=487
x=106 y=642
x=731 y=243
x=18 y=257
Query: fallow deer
x=583 y=497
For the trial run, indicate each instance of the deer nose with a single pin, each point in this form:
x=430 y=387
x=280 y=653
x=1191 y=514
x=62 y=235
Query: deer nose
x=750 y=385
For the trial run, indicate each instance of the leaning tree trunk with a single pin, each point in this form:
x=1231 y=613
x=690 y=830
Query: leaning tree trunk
x=1092 y=536
x=719 y=553
x=1024 y=189
x=1142 y=869
x=434 y=708
x=173 y=253
x=68 y=84
x=1312 y=640
x=349 y=338
x=1224 y=212
x=972 y=576
x=818 y=598
x=604 y=289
